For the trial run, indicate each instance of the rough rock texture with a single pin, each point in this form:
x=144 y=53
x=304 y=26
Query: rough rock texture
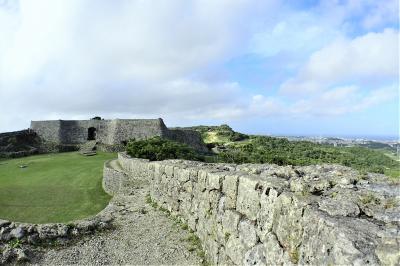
x=17 y=240
x=267 y=214
x=19 y=143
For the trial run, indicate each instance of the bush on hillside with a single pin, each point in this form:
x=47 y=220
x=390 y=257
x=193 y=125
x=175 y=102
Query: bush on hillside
x=283 y=152
x=158 y=149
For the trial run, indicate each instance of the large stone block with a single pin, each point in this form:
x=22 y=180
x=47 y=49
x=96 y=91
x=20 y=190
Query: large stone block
x=223 y=258
x=202 y=180
x=247 y=233
x=274 y=253
x=187 y=187
x=182 y=174
x=230 y=222
x=158 y=168
x=213 y=198
x=194 y=174
x=288 y=220
x=214 y=180
x=212 y=248
x=229 y=188
x=235 y=250
x=169 y=171
x=265 y=218
x=255 y=256
x=248 y=199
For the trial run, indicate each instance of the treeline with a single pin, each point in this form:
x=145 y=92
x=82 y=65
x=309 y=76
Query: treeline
x=260 y=149
x=158 y=149
x=283 y=152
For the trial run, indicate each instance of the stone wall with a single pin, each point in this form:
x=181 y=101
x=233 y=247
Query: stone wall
x=112 y=179
x=14 y=235
x=116 y=180
x=19 y=143
x=134 y=166
x=267 y=214
x=47 y=130
x=189 y=137
x=111 y=132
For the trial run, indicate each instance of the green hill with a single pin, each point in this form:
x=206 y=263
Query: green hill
x=234 y=147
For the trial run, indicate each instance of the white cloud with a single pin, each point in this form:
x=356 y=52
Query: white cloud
x=73 y=59
x=333 y=102
x=364 y=14
x=293 y=32
x=368 y=58
x=133 y=57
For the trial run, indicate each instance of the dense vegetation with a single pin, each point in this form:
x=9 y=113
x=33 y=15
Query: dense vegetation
x=57 y=187
x=283 y=152
x=234 y=147
x=157 y=149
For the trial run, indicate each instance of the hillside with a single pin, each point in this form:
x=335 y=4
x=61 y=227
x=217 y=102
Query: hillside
x=235 y=147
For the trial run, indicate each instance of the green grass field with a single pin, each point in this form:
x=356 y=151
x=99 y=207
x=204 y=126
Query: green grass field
x=52 y=188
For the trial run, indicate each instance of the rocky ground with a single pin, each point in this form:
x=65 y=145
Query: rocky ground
x=142 y=236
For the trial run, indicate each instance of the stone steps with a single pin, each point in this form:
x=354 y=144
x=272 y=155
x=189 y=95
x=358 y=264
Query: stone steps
x=88 y=148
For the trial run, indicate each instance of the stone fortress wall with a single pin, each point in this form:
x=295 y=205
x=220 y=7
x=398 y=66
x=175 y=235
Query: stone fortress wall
x=18 y=143
x=111 y=132
x=269 y=215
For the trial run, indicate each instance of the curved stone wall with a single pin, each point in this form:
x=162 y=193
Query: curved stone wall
x=268 y=215
x=112 y=179
x=19 y=240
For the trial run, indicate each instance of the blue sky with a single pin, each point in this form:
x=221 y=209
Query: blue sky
x=262 y=66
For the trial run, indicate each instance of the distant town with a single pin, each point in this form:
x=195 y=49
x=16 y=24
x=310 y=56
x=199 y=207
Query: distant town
x=390 y=145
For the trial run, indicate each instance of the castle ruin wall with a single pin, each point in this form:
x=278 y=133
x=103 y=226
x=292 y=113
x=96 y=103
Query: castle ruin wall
x=269 y=215
x=111 y=132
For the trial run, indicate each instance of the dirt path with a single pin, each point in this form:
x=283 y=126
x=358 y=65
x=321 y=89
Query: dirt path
x=143 y=236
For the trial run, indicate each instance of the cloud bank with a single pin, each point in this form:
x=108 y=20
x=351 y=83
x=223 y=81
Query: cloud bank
x=74 y=59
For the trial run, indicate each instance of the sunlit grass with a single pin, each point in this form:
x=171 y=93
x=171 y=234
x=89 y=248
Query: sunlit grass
x=52 y=188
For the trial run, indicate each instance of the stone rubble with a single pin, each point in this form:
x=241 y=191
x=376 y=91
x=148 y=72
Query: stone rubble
x=18 y=240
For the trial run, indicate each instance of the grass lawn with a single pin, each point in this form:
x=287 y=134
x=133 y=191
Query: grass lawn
x=53 y=188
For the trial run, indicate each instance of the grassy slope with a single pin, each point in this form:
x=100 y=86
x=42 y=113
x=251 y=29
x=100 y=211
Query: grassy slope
x=53 y=188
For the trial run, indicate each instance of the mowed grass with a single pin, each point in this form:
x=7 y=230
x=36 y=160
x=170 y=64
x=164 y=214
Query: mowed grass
x=52 y=188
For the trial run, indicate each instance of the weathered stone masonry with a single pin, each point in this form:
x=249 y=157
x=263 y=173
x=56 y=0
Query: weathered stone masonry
x=266 y=214
x=111 y=132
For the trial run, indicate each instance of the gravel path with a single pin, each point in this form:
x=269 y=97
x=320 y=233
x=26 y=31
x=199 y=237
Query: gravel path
x=143 y=236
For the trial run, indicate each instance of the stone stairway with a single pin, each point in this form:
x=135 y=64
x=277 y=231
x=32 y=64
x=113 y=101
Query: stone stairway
x=88 y=148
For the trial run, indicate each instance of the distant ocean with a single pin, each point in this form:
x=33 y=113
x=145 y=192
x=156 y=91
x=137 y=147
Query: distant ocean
x=370 y=137
x=365 y=137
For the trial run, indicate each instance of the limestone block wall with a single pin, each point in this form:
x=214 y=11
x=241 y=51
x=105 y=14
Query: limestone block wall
x=135 y=167
x=47 y=130
x=18 y=143
x=189 y=137
x=111 y=132
x=112 y=179
x=138 y=129
x=269 y=215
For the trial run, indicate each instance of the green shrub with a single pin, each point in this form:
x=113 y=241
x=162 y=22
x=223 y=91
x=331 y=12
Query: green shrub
x=158 y=149
x=260 y=149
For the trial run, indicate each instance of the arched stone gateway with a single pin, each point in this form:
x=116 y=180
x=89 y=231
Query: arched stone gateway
x=91 y=133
